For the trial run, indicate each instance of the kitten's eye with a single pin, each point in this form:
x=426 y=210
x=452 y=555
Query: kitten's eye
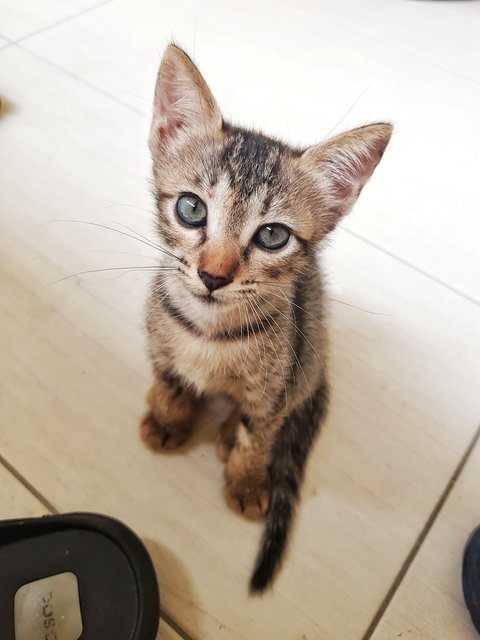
x=191 y=210
x=272 y=236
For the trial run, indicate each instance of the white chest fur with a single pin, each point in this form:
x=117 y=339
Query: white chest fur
x=210 y=366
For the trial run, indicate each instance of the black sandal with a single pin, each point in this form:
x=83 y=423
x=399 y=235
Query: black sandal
x=73 y=576
x=471 y=576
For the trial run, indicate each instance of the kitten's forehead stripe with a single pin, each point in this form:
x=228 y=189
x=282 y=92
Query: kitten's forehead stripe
x=251 y=161
x=266 y=204
x=251 y=165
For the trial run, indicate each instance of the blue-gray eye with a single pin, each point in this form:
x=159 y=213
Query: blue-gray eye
x=191 y=210
x=272 y=236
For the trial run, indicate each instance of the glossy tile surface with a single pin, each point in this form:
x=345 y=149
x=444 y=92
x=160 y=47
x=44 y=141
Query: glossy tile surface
x=403 y=277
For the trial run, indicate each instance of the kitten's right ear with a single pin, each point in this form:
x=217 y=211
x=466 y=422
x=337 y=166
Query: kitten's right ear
x=183 y=102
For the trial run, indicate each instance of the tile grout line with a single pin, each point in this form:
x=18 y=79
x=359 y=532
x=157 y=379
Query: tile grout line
x=59 y=22
x=411 y=265
x=50 y=507
x=176 y=627
x=25 y=483
x=7 y=43
x=86 y=83
x=384 y=605
x=384 y=43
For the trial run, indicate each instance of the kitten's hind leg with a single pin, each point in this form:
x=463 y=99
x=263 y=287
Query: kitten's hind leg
x=173 y=412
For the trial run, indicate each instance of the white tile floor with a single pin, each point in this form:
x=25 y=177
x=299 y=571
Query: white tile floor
x=23 y=18
x=76 y=96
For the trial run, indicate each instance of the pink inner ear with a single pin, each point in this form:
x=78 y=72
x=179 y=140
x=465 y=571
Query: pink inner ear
x=170 y=117
x=352 y=168
x=344 y=164
x=169 y=126
x=342 y=190
x=182 y=100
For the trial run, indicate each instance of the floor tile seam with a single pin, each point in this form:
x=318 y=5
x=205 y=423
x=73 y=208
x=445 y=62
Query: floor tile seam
x=422 y=536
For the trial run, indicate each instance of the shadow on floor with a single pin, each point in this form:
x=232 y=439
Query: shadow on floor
x=179 y=589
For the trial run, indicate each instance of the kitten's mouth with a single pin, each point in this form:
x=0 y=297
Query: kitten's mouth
x=207 y=297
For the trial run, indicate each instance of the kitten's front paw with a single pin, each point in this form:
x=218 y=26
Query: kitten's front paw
x=159 y=437
x=246 y=488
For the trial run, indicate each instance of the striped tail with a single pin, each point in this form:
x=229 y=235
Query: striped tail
x=286 y=469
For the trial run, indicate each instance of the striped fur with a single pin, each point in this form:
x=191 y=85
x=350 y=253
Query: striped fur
x=260 y=341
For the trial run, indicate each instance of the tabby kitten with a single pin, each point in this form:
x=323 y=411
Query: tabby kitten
x=238 y=308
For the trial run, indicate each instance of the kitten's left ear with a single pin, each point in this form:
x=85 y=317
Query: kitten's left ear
x=343 y=165
x=183 y=102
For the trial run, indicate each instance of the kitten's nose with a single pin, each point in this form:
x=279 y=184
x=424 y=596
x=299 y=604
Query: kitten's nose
x=213 y=282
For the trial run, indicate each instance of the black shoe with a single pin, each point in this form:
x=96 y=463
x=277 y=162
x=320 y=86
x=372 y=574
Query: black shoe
x=471 y=576
x=72 y=576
